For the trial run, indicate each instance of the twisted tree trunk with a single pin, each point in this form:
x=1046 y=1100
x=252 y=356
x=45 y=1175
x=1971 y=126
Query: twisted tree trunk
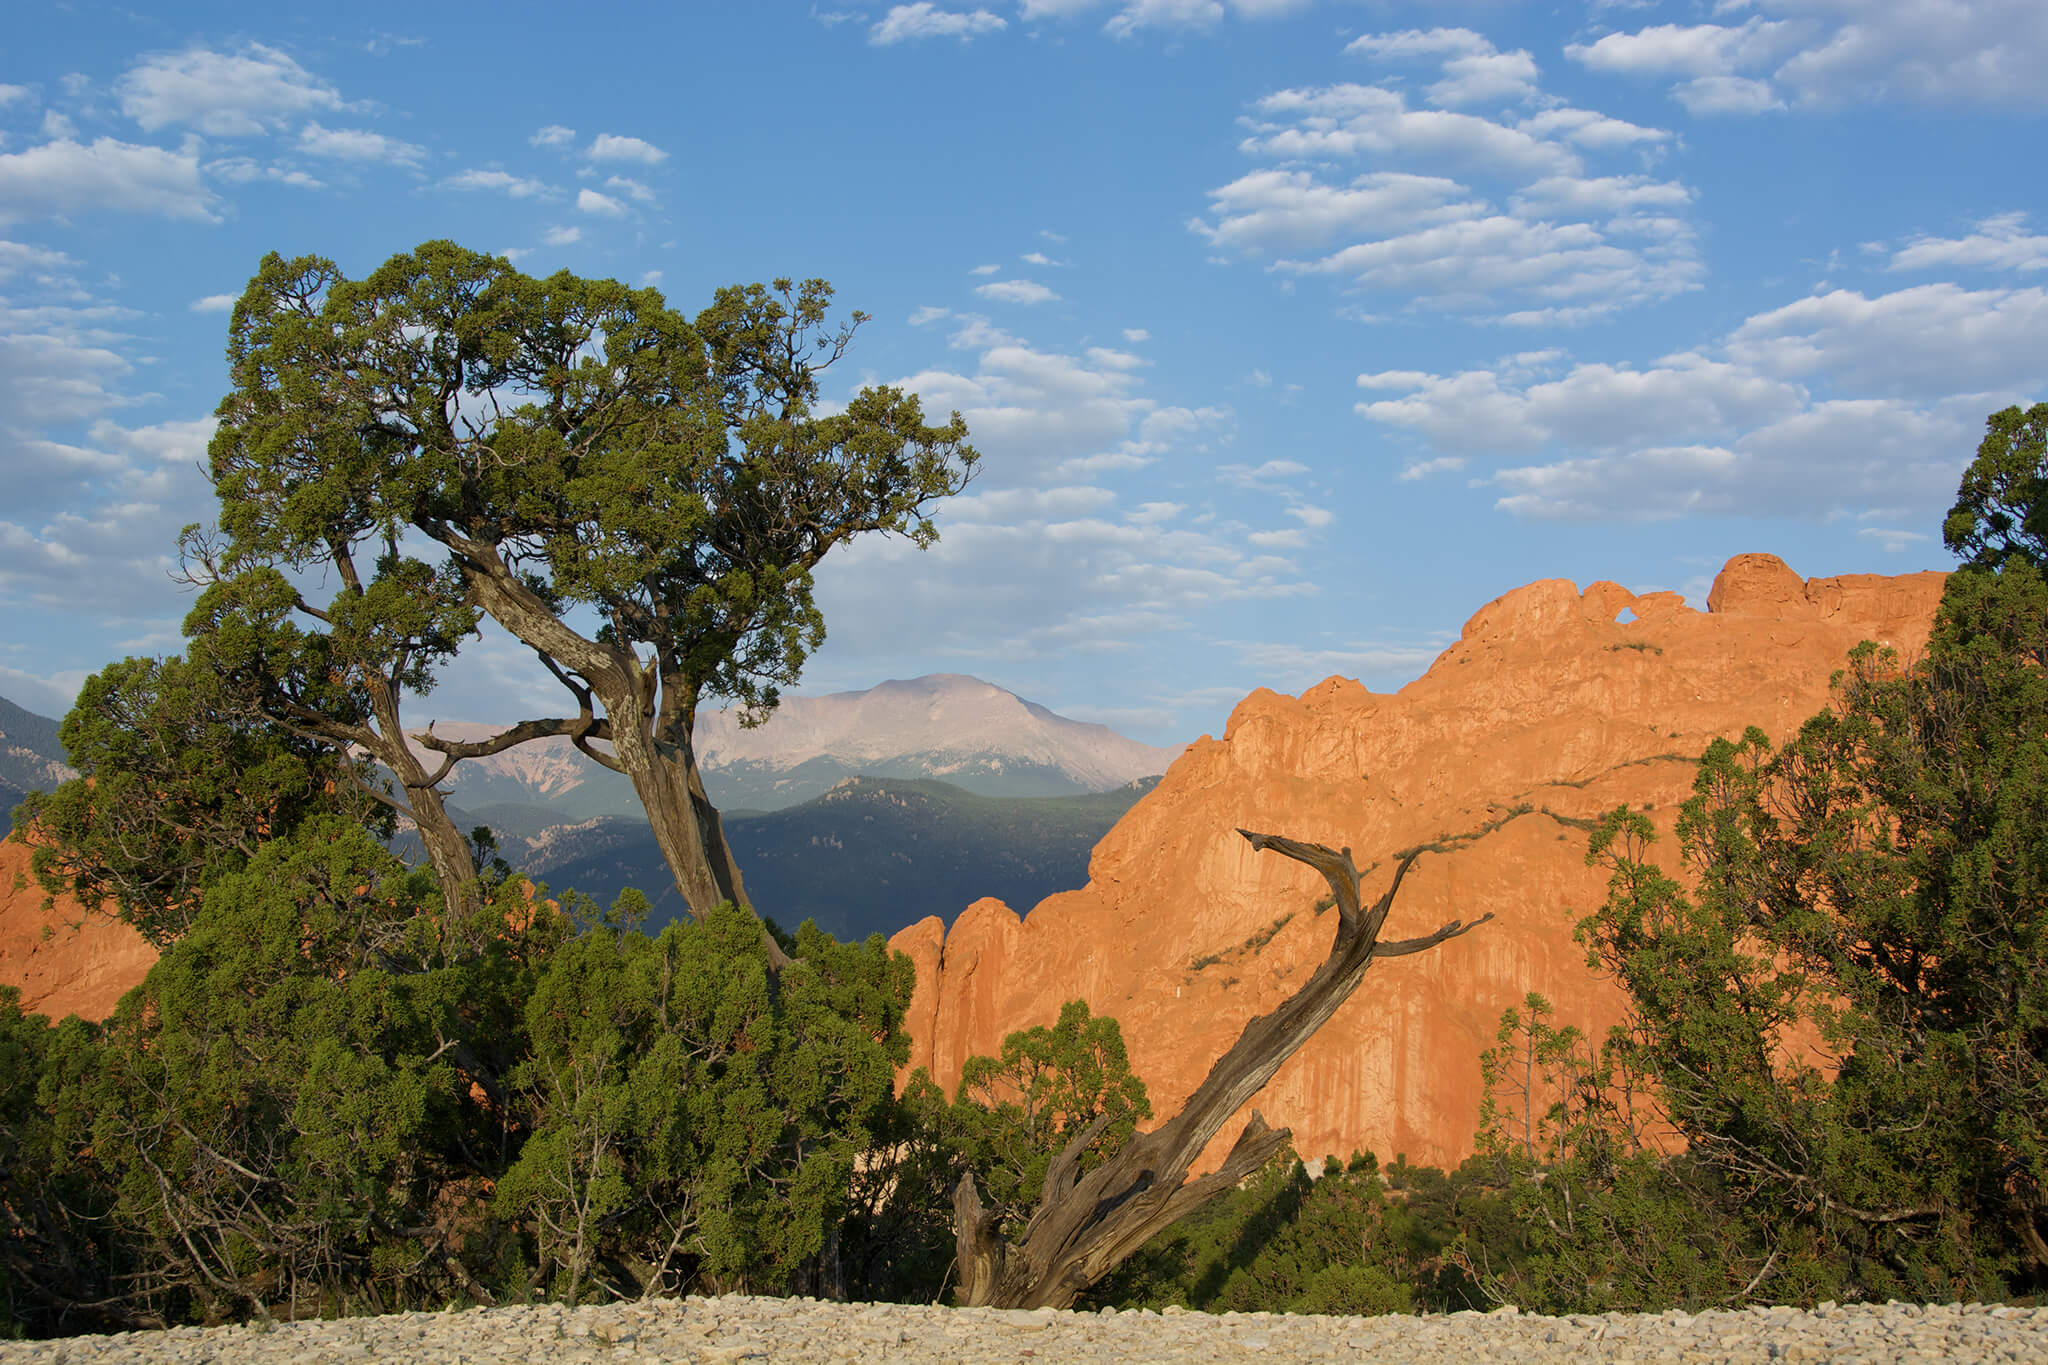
x=1085 y=1227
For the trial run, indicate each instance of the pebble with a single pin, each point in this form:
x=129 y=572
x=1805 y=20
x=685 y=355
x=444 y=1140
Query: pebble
x=741 y=1328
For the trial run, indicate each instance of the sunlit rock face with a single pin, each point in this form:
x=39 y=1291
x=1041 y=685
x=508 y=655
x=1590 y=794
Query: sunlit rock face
x=1566 y=700
x=63 y=961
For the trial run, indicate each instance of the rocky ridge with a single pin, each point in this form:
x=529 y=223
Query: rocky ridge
x=1555 y=705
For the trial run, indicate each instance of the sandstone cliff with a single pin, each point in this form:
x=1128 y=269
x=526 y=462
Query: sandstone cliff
x=1570 y=701
x=63 y=961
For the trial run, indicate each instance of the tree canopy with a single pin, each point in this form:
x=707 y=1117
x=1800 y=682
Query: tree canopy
x=1847 y=1019
x=570 y=445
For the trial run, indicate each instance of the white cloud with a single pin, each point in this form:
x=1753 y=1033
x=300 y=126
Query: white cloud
x=519 y=187
x=1291 y=667
x=1351 y=121
x=1276 y=210
x=1567 y=245
x=1135 y=335
x=1827 y=53
x=61 y=178
x=1474 y=71
x=1923 y=342
x=10 y=94
x=590 y=201
x=1833 y=404
x=1726 y=95
x=214 y=303
x=649 y=278
x=2000 y=242
x=358 y=144
x=612 y=147
x=930 y=313
x=1892 y=538
x=1042 y=414
x=1039 y=258
x=631 y=188
x=562 y=236
x=1138 y=15
x=222 y=95
x=1590 y=130
x=1422 y=469
x=554 y=135
x=46 y=263
x=241 y=170
x=1687 y=50
x=908 y=23
x=985 y=270
x=1017 y=291
x=1597 y=406
x=1435 y=42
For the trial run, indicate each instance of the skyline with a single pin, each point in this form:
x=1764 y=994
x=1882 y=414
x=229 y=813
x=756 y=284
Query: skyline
x=1291 y=333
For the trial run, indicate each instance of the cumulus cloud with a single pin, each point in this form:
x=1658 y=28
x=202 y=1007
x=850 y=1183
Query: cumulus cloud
x=47 y=264
x=2000 y=242
x=1825 y=53
x=1831 y=404
x=360 y=145
x=519 y=187
x=908 y=23
x=1921 y=342
x=554 y=135
x=562 y=236
x=61 y=178
x=1496 y=216
x=1474 y=70
x=1016 y=291
x=221 y=94
x=613 y=147
x=214 y=303
x=631 y=188
x=590 y=201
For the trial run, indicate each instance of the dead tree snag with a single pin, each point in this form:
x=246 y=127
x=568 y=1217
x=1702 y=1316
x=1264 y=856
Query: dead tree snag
x=1085 y=1226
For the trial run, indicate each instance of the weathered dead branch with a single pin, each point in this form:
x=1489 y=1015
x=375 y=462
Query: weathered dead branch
x=1085 y=1225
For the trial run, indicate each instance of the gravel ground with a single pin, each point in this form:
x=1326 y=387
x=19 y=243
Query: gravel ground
x=802 y=1330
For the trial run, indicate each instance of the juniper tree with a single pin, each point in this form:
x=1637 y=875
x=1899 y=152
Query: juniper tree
x=577 y=449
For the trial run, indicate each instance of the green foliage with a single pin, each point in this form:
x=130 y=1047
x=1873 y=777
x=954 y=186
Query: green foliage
x=2001 y=509
x=692 y=1121
x=278 y=1101
x=1017 y=1111
x=571 y=443
x=1846 y=1022
x=180 y=782
x=1009 y=1117
x=1353 y=1240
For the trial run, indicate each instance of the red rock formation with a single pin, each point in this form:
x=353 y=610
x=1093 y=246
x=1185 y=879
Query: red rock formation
x=1573 y=702
x=64 y=961
x=1548 y=698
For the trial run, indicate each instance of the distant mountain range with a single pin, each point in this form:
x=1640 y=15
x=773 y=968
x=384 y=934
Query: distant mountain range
x=863 y=810
x=871 y=855
x=31 y=758
x=943 y=726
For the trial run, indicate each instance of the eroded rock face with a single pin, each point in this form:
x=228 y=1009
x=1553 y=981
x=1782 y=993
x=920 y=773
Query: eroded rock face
x=63 y=961
x=1570 y=701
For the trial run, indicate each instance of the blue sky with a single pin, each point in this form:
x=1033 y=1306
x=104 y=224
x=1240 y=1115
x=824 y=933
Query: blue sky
x=1291 y=331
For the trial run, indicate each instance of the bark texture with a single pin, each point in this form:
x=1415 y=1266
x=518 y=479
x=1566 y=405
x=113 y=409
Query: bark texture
x=1086 y=1225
